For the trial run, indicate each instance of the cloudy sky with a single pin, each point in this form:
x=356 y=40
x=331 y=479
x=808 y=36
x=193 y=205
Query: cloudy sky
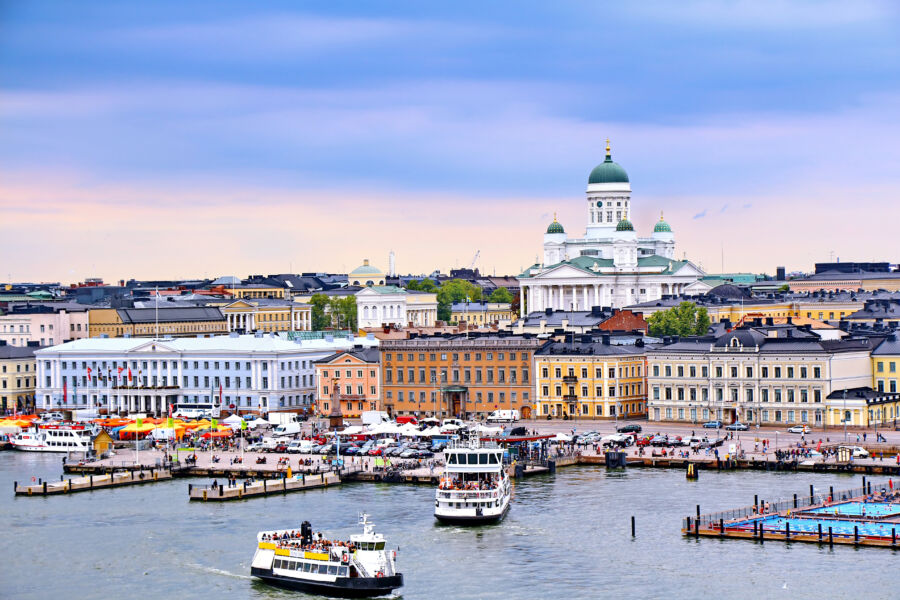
x=169 y=139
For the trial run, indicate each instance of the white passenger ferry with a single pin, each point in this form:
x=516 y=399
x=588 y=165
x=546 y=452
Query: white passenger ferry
x=474 y=488
x=54 y=438
x=303 y=560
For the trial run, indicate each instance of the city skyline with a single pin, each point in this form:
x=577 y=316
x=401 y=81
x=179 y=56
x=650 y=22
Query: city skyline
x=168 y=141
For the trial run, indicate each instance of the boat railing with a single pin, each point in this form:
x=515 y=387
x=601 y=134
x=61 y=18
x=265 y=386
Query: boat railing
x=468 y=494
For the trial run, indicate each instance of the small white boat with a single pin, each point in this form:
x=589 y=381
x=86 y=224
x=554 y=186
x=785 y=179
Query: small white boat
x=54 y=438
x=299 y=560
x=474 y=488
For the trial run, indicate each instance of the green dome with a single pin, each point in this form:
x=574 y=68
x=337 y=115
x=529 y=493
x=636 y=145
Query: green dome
x=608 y=171
x=624 y=225
x=555 y=227
x=662 y=227
x=365 y=269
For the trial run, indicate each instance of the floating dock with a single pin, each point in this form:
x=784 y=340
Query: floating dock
x=264 y=487
x=866 y=516
x=92 y=482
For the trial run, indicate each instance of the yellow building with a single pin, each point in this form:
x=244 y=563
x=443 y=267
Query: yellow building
x=591 y=380
x=266 y=315
x=18 y=373
x=886 y=365
x=146 y=322
x=255 y=291
x=863 y=407
x=482 y=313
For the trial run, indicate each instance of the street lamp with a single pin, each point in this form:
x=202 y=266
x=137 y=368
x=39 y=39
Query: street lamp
x=844 y=416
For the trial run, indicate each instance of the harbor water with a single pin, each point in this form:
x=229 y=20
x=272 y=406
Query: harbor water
x=567 y=536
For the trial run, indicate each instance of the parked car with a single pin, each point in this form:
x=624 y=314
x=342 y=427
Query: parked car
x=644 y=440
x=858 y=452
x=737 y=427
x=713 y=424
x=660 y=440
x=799 y=429
x=424 y=454
x=629 y=428
x=677 y=441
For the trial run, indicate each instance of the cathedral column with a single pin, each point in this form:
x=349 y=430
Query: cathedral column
x=584 y=291
x=522 y=310
x=597 y=295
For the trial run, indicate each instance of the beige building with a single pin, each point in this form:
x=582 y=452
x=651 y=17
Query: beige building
x=482 y=313
x=758 y=375
x=17 y=377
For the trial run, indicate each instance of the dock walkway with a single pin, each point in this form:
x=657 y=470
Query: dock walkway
x=93 y=482
x=264 y=487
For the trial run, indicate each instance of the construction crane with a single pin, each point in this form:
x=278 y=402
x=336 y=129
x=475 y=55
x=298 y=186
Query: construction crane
x=474 y=259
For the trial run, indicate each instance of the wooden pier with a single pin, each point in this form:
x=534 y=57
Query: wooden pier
x=92 y=482
x=264 y=487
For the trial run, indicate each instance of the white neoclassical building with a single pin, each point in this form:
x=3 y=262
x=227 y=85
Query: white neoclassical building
x=610 y=265
x=381 y=305
x=252 y=373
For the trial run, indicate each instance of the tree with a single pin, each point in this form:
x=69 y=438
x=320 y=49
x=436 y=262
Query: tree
x=425 y=285
x=501 y=295
x=343 y=313
x=320 y=305
x=684 y=319
x=784 y=288
x=455 y=290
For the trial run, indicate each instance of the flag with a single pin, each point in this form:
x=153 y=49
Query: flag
x=243 y=425
x=139 y=422
x=170 y=423
x=220 y=393
x=215 y=423
x=129 y=375
x=65 y=391
x=89 y=373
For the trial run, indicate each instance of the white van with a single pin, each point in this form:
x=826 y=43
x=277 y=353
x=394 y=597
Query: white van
x=196 y=411
x=287 y=429
x=300 y=446
x=503 y=416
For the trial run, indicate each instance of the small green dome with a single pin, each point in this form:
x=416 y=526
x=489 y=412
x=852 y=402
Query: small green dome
x=555 y=227
x=608 y=171
x=624 y=225
x=365 y=269
x=662 y=227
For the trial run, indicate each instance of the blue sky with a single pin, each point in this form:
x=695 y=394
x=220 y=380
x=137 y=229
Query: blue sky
x=308 y=131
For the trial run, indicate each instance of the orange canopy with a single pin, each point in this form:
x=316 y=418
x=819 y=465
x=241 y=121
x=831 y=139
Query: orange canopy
x=217 y=434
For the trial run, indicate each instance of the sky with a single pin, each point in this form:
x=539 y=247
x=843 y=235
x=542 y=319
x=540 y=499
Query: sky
x=198 y=139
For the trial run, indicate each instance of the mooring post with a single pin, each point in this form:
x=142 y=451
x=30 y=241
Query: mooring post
x=812 y=494
x=830 y=493
x=787 y=531
x=893 y=536
x=755 y=529
x=721 y=526
x=864 y=485
x=756 y=501
x=820 y=532
x=856 y=534
x=830 y=537
x=632 y=525
x=795 y=500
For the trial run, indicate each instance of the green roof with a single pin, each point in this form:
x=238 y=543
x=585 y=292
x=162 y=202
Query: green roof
x=624 y=225
x=386 y=289
x=365 y=270
x=608 y=172
x=662 y=227
x=555 y=227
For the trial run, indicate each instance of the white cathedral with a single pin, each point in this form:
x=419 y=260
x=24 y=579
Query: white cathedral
x=610 y=265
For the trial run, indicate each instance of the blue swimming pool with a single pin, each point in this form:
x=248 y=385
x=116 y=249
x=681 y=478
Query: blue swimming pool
x=858 y=509
x=779 y=524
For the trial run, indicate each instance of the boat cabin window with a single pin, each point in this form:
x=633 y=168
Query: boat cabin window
x=332 y=569
x=306 y=566
x=482 y=459
x=495 y=459
x=343 y=572
x=451 y=460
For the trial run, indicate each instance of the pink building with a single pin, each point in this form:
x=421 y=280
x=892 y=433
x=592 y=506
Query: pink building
x=47 y=324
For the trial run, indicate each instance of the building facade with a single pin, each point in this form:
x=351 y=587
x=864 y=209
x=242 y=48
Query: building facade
x=886 y=365
x=598 y=318
x=482 y=313
x=266 y=315
x=590 y=378
x=757 y=375
x=351 y=376
x=456 y=375
x=45 y=324
x=253 y=373
x=383 y=305
x=18 y=376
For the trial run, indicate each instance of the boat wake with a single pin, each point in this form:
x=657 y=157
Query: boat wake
x=215 y=571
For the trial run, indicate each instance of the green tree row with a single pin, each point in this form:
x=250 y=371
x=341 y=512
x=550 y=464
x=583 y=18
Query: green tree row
x=333 y=313
x=684 y=319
